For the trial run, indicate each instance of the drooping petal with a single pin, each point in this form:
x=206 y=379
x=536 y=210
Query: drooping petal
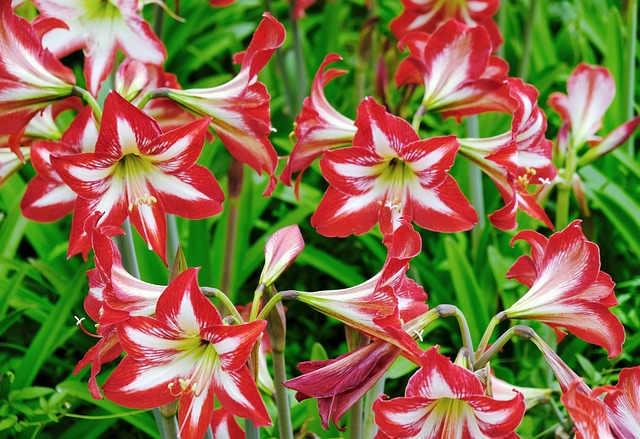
x=589 y=414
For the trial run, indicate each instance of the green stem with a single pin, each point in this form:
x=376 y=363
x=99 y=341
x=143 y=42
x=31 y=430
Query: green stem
x=369 y=427
x=519 y=331
x=629 y=74
x=88 y=98
x=528 y=31
x=446 y=310
x=251 y=431
x=172 y=238
x=356 y=340
x=417 y=118
x=475 y=185
x=158 y=20
x=301 y=70
x=236 y=174
x=502 y=24
x=157 y=93
x=255 y=305
x=214 y=292
x=564 y=187
x=266 y=310
x=487 y=333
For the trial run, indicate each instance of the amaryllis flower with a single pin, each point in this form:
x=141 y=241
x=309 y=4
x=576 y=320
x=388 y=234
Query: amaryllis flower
x=187 y=352
x=100 y=28
x=319 y=126
x=455 y=66
x=388 y=173
x=31 y=78
x=114 y=296
x=427 y=15
x=137 y=171
x=10 y=162
x=567 y=288
x=517 y=159
x=624 y=404
x=446 y=400
x=240 y=107
x=532 y=395
x=280 y=251
x=589 y=414
x=224 y=425
x=47 y=197
x=590 y=91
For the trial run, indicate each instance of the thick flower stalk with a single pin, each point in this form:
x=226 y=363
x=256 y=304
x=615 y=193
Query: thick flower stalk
x=100 y=28
x=446 y=400
x=48 y=198
x=319 y=127
x=31 y=78
x=186 y=352
x=516 y=160
x=240 y=108
x=389 y=173
x=567 y=288
x=138 y=172
x=455 y=66
x=427 y=15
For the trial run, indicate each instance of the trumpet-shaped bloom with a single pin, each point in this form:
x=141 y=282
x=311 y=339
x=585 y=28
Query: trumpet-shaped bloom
x=137 y=171
x=240 y=108
x=427 y=15
x=31 y=78
x=455 y=66
x=517 y=159
x=567 y=288
x=280 y=251
x=590 y=91
x=319 y=126
x=48 y=198
x=390 y=170
x=100 y=28
x=444 y=400
x=187 y=352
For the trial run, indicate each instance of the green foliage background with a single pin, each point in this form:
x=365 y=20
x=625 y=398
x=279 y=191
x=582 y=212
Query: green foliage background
x=41 y=291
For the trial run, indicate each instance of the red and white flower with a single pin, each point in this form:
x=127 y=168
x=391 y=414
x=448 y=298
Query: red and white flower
x=588 y=412
x=567 y=288
x=100 y=28
x=590 y=91
x=389 y=173
x=280 y=251
x=427 y=15
x=319 y=127
x=624 y=404
x=47 y=197
x=187 y=352
x=240 y=108
x=10 y=162
x=137 y=171
x=31 y=78
x=446 y=400
x=517 y=159
x=456 y=69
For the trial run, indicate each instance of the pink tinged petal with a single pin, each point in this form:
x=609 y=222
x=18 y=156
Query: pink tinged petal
x=105 y=350
x=224 y=425
x=564 y=374
x=589 y=414
x=591 y=90
x=614 y=139
x=624 y=405
x=233 y=344
x=319 y=127
x=131 y=77
x=10 y=162
x=280 y=251
x=238 y=394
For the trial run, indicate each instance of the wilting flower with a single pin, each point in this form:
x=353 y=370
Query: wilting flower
x=446 y=400
x=455 y=66
x=240 y=108
x=590 y=91
x=187 y=352
x=567 y=288
x=517 y=159
x=47 y=197
x=427 y=15
x=137 y=171
x=319 y=126
x=390 y=170
x=280 y=251
x=100 y=28
x=31 y=78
